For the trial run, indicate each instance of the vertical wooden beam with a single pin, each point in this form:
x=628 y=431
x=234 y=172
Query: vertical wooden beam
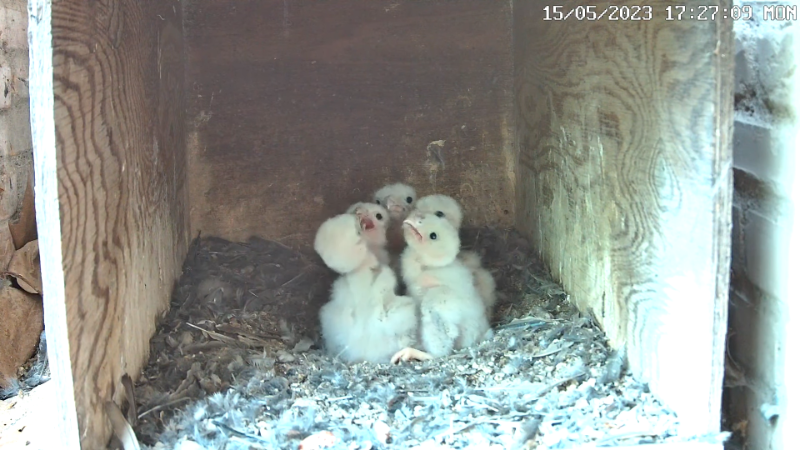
x=624 y=180
x=787 y=438
x=720 y=192
x=108 y=120
x=791 y=349
x=48 y=222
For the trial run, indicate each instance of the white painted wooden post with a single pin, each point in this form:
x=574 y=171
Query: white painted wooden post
x=787 y=437
x=64 y=417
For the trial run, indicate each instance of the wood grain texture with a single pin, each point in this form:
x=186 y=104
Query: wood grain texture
x=16 y=157
x=298 y=109
x=624 y=185
x=117 y=70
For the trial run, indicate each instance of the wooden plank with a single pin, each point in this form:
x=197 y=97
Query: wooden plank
x=64 y=418
x=48 y=223
x=786 y=436
x=110 y=192
x=624 y=184
x=16 y=154
x=300 y=108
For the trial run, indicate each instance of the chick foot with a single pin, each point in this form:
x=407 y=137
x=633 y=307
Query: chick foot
x=408 y=354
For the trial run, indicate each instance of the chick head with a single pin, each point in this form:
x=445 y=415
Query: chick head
x=442 y=206
x=433 y=238
x=340 y=244
x=397 y=198
x=373 y=219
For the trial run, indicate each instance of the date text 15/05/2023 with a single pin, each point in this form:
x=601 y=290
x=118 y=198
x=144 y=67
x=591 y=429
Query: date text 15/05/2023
x=672 y=12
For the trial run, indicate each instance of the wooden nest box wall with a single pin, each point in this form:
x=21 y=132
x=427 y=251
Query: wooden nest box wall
x=606 y=142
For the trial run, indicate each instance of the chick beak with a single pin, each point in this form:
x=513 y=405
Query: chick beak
x=394 y=206
x=409 y=225
x=366 y=223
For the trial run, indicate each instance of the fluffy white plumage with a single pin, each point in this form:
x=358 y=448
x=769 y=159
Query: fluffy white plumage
x=374 y=220
x=448 y=208
x=399 y=199
x=364 y=319
x=481 y=278
x=339 y=243
x=452 y=313
x=442 y=206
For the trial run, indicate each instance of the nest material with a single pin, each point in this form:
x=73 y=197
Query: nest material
x=237 y=364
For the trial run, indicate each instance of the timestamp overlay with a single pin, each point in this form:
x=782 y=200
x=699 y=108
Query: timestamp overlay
x=676 y=12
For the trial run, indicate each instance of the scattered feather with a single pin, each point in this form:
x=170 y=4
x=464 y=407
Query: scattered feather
x=546 y=379
x=122 y=429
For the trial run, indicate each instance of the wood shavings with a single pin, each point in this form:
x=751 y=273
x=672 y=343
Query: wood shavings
x=547 y=377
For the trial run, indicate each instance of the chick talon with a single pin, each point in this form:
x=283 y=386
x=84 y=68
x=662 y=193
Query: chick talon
x=408 y=353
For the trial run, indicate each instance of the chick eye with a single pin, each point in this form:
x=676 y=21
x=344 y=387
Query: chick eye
x=439 y=214
x=409 y=200
x=379 y=216
x=378 y=202
x=433 y=236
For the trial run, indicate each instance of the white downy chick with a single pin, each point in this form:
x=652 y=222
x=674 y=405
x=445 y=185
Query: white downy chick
x=452 y=313
x=339 y=243
x=374 y=220
x=364 y=319
x=399 y=200
x=448 y=208
x=481 y=278
x=442 y=206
